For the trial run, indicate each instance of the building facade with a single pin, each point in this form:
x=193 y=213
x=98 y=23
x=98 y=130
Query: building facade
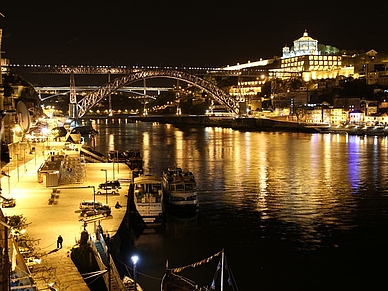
x=304 y=59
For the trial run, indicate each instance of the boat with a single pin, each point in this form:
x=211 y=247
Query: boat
x=148 y=199
x=129 y=284
x=319 y=126
x=180 y=190
x=134 y=161
x=84 y=130
x=223 y=278
x=276 y=124
x=357 y=129
x=116 y=157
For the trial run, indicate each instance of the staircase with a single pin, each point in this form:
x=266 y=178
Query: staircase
x=105 y=262
x=102 y=253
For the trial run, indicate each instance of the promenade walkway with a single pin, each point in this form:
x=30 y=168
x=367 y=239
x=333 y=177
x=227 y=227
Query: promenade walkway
x=48 y=219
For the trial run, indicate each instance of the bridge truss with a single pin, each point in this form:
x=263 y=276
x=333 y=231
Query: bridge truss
x=135 y=73
x=87 y=102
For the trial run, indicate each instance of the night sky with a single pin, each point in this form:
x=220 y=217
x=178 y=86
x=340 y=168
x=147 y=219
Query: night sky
x=181 y=33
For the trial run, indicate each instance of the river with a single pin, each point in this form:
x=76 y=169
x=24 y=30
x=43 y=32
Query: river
x=295 y=211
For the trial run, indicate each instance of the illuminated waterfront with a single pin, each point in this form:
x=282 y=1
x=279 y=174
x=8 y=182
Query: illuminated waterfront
x=292 y=210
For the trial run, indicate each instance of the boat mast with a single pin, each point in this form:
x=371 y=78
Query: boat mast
x=164 y=276
x=222 y=270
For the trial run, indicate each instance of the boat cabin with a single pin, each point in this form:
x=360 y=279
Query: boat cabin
x=148 y=189
x=175 y=174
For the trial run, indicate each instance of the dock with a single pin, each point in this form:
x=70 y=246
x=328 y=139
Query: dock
x=50 y=211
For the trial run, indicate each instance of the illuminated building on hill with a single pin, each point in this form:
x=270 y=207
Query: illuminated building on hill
x=305 y=59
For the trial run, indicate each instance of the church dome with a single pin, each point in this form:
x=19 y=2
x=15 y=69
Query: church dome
x=303 y=46
x=306 y=37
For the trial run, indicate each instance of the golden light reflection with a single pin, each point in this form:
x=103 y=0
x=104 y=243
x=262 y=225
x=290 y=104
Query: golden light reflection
x=111 y=142
x=147 y=147
x=292 y=177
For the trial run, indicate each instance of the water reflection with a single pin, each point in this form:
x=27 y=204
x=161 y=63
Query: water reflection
x=299 y=205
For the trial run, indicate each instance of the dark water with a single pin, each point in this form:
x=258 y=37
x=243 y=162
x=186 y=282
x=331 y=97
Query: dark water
x=291 y=210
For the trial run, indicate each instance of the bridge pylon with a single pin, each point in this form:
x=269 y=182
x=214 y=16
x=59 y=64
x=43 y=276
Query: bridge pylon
x=73 y=108
x=73 y=112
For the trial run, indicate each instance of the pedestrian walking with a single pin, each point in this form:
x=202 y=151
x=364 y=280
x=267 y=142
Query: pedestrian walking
x=59 y=242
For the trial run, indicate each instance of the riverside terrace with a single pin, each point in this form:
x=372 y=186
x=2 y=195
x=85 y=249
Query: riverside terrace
x=50 y=214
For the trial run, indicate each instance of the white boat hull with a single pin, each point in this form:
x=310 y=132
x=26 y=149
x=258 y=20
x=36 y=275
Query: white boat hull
x=148 y=199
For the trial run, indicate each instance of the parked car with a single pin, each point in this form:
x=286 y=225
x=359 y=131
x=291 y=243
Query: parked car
x=113 y=184
x=90 y=204
x=9 y=202
x=107 y=190
x=105 y=210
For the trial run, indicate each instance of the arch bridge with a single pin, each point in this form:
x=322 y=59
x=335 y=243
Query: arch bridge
x=79 y=108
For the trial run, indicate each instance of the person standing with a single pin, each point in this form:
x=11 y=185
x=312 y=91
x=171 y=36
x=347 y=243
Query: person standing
x=59 y=242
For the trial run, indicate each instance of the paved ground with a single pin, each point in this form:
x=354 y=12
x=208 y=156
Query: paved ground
x=60 y=216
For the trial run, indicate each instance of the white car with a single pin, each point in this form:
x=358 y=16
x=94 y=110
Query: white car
x=108 y=190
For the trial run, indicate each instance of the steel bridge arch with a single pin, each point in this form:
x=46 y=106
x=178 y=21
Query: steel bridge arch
x=86 y=103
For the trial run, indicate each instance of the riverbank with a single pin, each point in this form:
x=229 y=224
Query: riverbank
x=50 y=213
x=247 y=123
x=243 y=123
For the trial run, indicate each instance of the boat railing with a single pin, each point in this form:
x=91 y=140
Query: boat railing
x=148 y=197
x=189 y=175
x=174 y=171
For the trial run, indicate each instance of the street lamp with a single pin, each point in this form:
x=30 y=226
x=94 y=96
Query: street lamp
x=106 y=185
x=94 y=196
x=134 y=261
x=17 y=165
x=115 y=155
x=24 y=160
x=94 y=209
x=113 y=169
x=117 y=161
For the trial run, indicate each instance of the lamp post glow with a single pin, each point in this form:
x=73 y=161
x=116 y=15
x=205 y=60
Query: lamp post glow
x=106 y=186
x=134 y=261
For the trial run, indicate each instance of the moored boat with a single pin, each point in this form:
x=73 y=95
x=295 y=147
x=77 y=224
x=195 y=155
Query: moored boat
x=116 y=156
x=223 y=278
x=180 y=190
x=148 y=199
x=318 y=126
x=129 y=283
x=134 y=160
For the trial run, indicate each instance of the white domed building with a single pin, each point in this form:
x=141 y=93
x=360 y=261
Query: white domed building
x=304 y=59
